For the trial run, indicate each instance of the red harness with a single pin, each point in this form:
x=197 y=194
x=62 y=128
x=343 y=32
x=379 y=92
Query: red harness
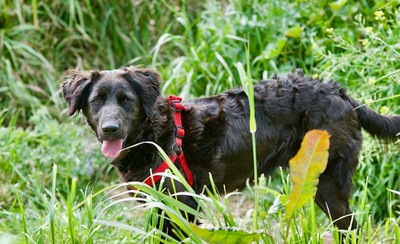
x=178 y=107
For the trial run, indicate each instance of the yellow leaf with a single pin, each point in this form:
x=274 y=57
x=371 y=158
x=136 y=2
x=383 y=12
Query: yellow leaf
x=294 y=31
x=305 y=168
x=336 y=6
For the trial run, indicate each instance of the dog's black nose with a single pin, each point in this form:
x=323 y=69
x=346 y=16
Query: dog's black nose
x=110 y=128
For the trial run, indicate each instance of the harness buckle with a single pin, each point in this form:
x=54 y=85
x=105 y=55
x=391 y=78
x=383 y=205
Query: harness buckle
x=176 y=105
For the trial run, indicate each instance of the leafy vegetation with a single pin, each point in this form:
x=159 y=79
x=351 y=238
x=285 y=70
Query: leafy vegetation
x=305 y=168
x=55 y=185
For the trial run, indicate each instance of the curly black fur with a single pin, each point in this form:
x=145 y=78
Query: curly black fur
x=218 y=140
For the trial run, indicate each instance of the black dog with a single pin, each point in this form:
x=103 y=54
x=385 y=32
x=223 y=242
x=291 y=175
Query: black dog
x=125 y=107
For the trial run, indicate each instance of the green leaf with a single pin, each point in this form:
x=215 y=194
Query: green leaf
x=305 y=168
x=226 y=235
x=275 y=50
x=336 y=6
x=243 y=77
x=294 y=31
x=247 y=84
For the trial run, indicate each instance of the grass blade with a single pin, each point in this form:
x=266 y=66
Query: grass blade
x=23 y=216
x=53 y=205
x=71 y=218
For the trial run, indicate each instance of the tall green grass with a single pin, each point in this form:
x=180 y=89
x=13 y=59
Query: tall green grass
x=195 y=47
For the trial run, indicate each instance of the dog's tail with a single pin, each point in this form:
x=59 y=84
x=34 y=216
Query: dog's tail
x=383 y=127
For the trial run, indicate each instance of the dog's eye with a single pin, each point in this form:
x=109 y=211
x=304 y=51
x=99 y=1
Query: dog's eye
x=97 y=101
x=127 y=100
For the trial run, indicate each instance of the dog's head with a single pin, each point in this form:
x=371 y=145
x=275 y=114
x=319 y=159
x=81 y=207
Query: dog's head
x=113 y=101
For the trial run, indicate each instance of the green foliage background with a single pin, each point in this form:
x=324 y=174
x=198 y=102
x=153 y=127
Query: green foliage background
x=194 y=45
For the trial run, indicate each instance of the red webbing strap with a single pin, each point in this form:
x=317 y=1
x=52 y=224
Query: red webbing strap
x=185 y=167
x=178 y=107
x=154 y=177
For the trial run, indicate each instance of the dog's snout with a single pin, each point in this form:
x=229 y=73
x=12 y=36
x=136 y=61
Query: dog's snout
x=110 y=128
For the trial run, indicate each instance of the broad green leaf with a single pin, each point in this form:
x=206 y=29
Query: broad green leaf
x=305 y=168
x=247 y=84
x=274 y=50
x=226 y=235
x=243 y=77
x=294 y=31
x=336 y=6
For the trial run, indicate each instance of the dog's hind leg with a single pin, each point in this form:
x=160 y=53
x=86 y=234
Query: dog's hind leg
x=334 y=191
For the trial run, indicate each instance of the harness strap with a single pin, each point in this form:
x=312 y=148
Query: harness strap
x=178 y=107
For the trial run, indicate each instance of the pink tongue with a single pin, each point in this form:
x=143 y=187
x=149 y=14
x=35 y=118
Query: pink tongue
x=111 y=148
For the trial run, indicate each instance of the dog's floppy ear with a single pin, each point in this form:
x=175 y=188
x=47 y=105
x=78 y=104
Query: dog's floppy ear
x=74 y=89
x=146 y=83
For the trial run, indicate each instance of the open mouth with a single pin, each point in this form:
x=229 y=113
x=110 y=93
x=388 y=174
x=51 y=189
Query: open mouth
x=112 y=148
